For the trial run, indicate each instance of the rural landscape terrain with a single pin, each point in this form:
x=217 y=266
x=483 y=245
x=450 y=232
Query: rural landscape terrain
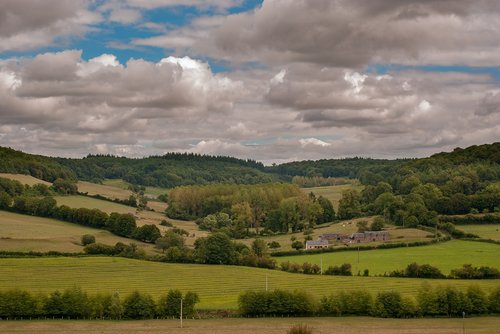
x=240 y=244
x=250 y=166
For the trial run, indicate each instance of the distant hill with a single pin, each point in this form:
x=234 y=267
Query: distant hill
x=170 y=170
x=176 y=169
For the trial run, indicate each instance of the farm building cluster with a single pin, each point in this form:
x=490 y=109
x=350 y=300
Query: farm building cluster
x=326 y=239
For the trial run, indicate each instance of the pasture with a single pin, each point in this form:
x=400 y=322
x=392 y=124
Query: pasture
x=217 y=286
x=107 y=191
x=23 y=233
x=323 y=325
x=445 y=256
x=485 y=231
x=78 y=201
x=346 y=227
x=24 y=179
x=333 y=193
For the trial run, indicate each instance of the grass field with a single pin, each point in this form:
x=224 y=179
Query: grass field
x=117 y=183
x=78 y=201
x=346 y=227
x=323 y=325
x=484 y=231
x=24 y=179
x=446 y=256
x=143 y=217
x=217 y=286
x=333 y=193
x=107 y=191
x=25 y=233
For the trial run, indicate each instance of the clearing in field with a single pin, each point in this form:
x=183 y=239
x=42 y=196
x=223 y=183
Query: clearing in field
x=483 y=231
x=24 y=179
x=445 y=256
x=217 y=286
x=333 y=193
x=341 y=325
x=23 y=233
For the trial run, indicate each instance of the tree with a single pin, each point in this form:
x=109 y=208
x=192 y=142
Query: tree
x=147 y=233
x=170 y=239
x=297 y=245
x=259 y=247
x=378 y=224
x=122 y=224
x=328 y=211
x=362 y=226
x=215 y=249
x=87 y=239
x=139 y=306
x=65 y=187
x=115 y=309
x=5 y=200
x=349 y=204
x=242 y=219
x=388 y=304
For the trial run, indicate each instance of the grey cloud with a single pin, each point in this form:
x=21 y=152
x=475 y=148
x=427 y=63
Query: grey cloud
x=347 y=33
x=26 y=25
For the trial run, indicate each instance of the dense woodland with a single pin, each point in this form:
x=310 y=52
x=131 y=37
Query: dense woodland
x=234 y=209
x=417 y=192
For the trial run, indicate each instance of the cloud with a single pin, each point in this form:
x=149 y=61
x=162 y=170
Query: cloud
x=313 y=141
x=27 y=25
x=346 y=33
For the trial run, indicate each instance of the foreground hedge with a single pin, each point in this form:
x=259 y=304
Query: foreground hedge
x=73 y=303
x=437 y=301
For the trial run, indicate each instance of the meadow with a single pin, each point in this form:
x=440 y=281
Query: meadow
x=445 y=256
x=78 y=201
x=483 y=231
x=323 y=325
x=107 y=191
x=24 y=179
x=23 y=233
x=217 y=286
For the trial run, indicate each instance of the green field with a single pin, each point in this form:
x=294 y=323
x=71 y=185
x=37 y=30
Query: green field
x=446 y=256
x=218 y=286
x=483 y=231
x=78 y=201
x=117 y=183
x=341 y=325
x=346 y=227
x=107 y=191
x=333 y=193
x=24 y=179
x=23 y=233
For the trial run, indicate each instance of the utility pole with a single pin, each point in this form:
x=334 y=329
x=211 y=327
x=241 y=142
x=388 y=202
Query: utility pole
x=266 y=282
x=463 y=322
x=181 y=312
x=321 y=268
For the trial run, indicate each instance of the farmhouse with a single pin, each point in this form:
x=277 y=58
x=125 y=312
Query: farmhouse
x=316 y=244
x=370 y=236
x=333 y=236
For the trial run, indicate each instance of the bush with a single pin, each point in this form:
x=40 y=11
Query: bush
x=274 y=244
x=300 y=329
x=164 y=222
x=87 y=239
x=343 y=270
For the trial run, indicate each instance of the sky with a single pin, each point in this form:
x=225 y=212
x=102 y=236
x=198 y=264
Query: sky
x=273 y=80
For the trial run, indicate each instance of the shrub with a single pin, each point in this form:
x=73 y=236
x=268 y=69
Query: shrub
x=300 y=329
x=87 y=239
x=274 y=244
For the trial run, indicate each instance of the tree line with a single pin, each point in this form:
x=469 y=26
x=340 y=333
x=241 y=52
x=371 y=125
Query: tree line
x=430 y=301
x=240 y=209
x=74 y=303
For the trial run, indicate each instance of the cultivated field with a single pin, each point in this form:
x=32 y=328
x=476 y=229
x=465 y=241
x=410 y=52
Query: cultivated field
x=484 y=231
x=107 y=191
x=446 y=256
x=324 y=325
x=23 y=233
x=217 y=286
x=333 y=193
x=24 y=179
